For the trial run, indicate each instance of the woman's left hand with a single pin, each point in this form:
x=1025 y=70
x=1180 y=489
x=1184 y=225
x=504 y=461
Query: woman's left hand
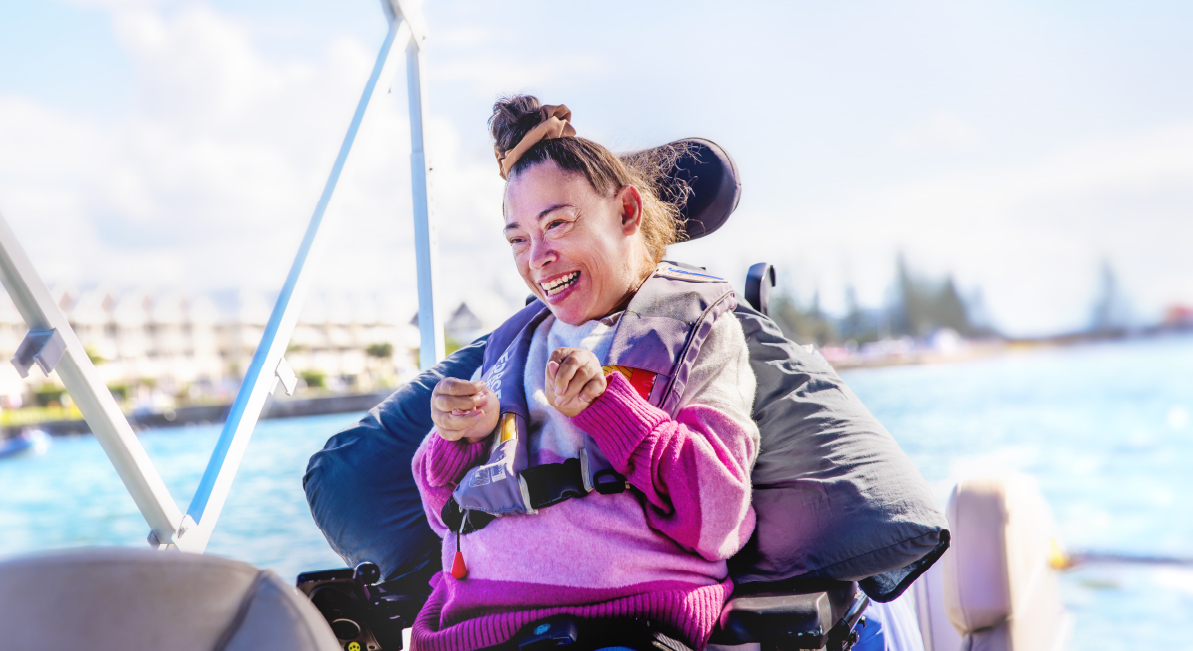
x=574 y=380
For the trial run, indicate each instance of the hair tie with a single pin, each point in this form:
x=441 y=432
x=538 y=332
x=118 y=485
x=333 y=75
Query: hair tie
x=554 y=124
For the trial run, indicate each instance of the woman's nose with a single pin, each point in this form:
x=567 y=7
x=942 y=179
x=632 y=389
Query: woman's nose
x=541 y=255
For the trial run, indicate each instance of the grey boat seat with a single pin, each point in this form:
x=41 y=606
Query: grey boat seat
x=1000 y=584
x=109 y=599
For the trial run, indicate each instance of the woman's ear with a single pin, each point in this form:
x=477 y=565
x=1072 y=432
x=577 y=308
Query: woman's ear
x=631 y=209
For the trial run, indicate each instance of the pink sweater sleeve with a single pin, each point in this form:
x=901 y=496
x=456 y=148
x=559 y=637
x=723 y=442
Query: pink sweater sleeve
x=438 y=466
x=696 y=486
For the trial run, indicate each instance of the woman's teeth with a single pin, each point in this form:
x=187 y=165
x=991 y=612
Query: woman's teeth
x=557 y=285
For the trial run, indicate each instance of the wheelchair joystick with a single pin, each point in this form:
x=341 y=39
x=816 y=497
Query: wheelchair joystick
x=364 y=612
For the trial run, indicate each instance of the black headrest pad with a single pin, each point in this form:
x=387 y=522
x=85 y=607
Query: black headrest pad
x=712 y=175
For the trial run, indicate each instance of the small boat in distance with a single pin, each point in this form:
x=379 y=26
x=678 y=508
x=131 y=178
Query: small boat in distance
x=32 y=441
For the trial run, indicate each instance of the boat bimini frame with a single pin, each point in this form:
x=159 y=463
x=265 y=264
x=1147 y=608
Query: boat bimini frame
x=52 y=345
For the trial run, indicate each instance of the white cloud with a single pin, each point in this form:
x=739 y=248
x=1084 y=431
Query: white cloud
x=943 y=128
x=465 y=36
x=490 y=74
x=113 y=4
x=211 y=180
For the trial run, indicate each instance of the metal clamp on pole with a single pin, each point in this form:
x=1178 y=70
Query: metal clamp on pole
x=407 y=12
x=42 y=347
x=285 y=376
x=175 y=538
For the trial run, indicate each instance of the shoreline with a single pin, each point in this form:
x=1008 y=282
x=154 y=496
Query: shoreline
x=972 y=351
x=969 y=351
x=214 y=414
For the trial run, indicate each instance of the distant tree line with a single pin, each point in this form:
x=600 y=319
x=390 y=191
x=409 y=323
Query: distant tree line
x=1111 y=314
x=917 y=308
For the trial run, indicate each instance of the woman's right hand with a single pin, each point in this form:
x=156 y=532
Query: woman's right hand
x=464 y=410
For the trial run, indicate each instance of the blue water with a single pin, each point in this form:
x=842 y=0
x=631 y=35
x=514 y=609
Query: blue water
x=71 y=495
x=1104 y=429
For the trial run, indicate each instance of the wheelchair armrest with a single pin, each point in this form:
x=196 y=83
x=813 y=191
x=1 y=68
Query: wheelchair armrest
x=793 y=614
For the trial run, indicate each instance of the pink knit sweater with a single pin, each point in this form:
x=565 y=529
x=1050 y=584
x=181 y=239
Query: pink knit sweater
x=656 y=552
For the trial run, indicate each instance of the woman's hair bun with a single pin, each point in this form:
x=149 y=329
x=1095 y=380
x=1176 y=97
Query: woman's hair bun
x=512 y=119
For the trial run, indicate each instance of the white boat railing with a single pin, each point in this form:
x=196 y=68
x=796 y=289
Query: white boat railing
x=52 y=344
x=61 y=350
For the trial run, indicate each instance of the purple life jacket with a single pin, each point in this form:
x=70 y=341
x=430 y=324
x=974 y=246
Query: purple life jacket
x=655 y=345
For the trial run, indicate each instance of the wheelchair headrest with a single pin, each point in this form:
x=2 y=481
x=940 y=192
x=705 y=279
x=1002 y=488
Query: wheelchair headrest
x=715 y=188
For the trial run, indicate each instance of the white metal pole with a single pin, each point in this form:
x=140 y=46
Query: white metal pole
x=261 y=376
x=426 y=234
x=115 y=436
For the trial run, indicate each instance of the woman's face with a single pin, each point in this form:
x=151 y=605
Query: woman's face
x=581 y=253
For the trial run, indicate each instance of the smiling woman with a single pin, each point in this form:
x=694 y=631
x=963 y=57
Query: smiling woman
x=583 y=437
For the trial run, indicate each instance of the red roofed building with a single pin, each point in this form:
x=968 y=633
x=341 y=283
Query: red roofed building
x=1178 y=316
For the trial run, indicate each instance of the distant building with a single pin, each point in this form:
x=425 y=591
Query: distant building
x=463 y=324
x=474 y=317
x=478 y=315
x=1178 y=316
x=200 y=346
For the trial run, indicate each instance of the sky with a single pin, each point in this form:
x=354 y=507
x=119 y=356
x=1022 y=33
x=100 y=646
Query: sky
x=1016 y=145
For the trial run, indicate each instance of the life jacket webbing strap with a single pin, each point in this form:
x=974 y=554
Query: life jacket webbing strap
x=548 y=484
x=552 y=483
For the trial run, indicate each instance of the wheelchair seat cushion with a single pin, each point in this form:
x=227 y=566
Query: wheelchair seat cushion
x=834 y=495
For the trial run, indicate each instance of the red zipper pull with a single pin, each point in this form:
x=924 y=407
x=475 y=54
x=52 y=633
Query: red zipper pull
x=459 y=570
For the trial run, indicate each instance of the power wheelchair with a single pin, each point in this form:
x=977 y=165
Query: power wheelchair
x=367 y=614
x=800 y=612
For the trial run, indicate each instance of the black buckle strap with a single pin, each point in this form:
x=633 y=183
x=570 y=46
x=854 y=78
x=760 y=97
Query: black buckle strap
x=547 y=484
x=552 y=483
x=609 y=482
x=462 y=521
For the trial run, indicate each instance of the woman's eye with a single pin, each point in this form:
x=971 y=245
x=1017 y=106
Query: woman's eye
x=555 y=223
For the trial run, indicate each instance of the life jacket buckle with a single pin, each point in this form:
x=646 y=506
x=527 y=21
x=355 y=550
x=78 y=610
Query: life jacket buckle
x=608 y=482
